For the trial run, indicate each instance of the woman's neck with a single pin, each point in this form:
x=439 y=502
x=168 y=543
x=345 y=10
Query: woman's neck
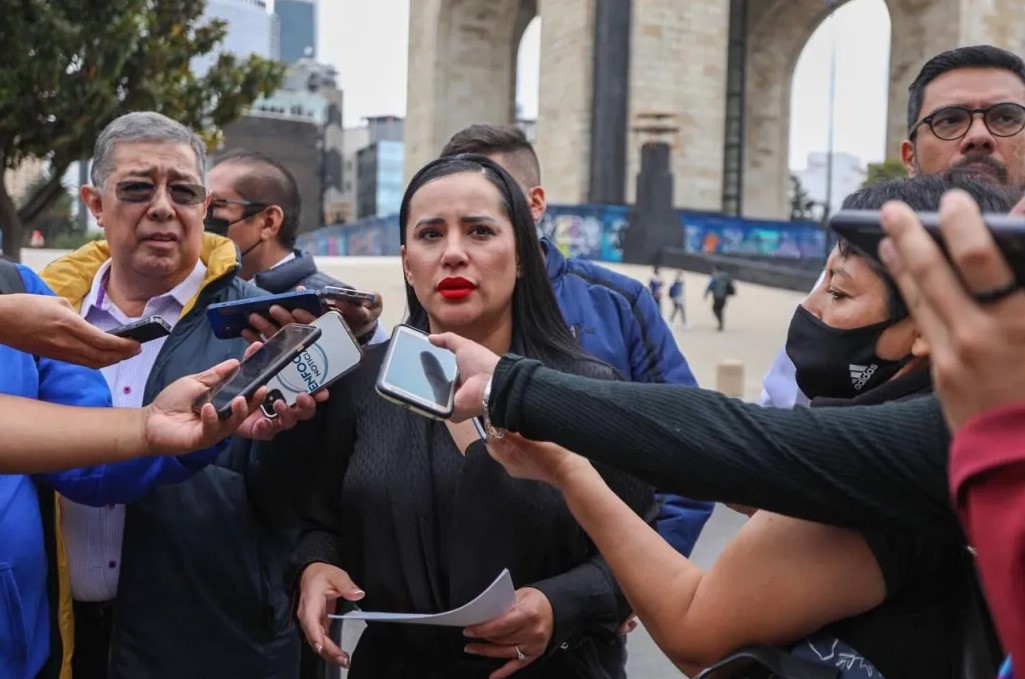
x=495 y=336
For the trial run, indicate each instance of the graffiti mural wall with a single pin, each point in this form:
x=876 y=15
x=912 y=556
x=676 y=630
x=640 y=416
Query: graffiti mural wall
x=371 y=237
x=595 y=232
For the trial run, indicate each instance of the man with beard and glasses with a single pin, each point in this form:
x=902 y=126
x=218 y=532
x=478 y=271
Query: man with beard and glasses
x=966 y=113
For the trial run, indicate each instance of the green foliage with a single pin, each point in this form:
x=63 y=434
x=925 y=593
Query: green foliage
x=72 y=66
x=884 y=171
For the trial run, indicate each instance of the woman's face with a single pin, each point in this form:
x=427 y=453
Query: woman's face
x=460 y=252
x=852 y=295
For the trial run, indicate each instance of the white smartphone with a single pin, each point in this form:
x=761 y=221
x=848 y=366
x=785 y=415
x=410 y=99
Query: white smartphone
x=418 y=375
x=335 y=354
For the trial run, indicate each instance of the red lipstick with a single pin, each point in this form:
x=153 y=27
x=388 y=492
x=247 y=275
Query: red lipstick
x=455 y=288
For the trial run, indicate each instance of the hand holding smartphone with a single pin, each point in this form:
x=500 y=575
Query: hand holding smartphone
x=335 y=354
x=863 y=230
x=143 y=330
x=255 y=371
x=331 y=295
x=229 y=319
x=418 y=375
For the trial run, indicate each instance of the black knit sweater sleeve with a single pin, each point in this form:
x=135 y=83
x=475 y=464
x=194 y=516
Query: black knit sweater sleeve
x=860 y=467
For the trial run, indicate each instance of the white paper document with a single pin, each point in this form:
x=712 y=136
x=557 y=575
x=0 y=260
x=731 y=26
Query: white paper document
x=498 y=598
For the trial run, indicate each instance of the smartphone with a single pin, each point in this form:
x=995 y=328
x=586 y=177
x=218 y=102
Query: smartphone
x=229 y=319
x=144 y=329
x=334 y=355
x=418 y=375
x=330 y=292
x=862 y=229
x=255 y=371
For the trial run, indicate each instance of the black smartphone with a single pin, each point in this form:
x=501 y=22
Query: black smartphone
x=254 y=372
x=418 y=375
x=330 y=293
x=862 y=229
x=229 y=319
x=144 y=329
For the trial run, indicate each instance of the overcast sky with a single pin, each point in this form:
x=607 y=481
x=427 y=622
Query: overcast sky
x=366 y=40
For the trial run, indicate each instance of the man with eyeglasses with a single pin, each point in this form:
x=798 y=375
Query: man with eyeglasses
x=966 y=113
x=187 y=580
x=256 y=203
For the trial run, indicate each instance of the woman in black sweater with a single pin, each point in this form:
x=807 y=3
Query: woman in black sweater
x=415 y=512
x=873 y=599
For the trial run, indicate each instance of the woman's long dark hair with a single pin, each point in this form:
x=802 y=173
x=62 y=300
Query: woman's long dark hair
x=539 y=330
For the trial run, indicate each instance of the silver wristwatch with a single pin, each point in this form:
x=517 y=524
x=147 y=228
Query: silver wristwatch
x=491 y=430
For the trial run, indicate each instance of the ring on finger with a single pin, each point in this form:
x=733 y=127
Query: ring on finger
x=991 y=296
x=520 y=655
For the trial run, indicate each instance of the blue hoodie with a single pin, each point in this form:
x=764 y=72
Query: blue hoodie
x=616 y=319
x=26 y=567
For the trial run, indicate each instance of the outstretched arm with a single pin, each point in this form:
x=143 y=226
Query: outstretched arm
x=851 y=467
x=77 y=437
x=774 y=583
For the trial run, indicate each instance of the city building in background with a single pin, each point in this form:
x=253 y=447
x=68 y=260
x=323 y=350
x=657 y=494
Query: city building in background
x=354 y=139
x=379 y=168
x=848 y=175
x=298 y=26
x=251 y=29
x=379 y=179
x=370 y=176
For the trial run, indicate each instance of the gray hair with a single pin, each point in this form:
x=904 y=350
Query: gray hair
x=142 y=126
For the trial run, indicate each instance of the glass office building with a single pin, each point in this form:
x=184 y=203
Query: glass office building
x=251 y=29
x=298 y=23
x=379 y=186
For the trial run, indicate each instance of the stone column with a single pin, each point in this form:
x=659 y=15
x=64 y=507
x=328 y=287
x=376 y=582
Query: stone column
x=777 y=34
x=918 y=32
x=462 y=66
x=678 y=66
x=564 y=107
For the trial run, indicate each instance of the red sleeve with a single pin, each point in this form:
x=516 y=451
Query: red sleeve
x=987 y=479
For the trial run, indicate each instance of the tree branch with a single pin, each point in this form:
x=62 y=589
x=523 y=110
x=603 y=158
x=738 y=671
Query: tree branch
x=43 y=197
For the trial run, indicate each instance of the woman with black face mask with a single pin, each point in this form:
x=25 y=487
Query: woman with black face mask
x=869 y=603
x=877 y=604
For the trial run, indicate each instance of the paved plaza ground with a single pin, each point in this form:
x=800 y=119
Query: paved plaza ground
x=756 y=326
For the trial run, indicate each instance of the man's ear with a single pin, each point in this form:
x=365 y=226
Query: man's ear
x=271 y=220
x=538 y=203
x=92 y=198
x=907 y=156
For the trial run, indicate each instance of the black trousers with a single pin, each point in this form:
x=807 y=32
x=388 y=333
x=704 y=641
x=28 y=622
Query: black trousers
x=93 y=625
x=718 y=305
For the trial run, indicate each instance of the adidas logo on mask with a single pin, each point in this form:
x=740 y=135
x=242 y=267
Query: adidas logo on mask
x=860 y=374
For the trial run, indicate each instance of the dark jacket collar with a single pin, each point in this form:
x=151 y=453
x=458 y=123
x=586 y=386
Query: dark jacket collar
x=908 y=386
x=287 y=276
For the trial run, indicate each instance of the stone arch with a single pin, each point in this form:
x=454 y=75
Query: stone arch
x=462 y=69
x=777 y=34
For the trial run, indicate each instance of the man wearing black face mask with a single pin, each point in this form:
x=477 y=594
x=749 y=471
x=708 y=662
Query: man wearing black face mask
x=256 y=203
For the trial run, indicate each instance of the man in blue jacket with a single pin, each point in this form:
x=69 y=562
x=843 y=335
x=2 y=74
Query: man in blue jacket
x=32 y=642
x=613 y=316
